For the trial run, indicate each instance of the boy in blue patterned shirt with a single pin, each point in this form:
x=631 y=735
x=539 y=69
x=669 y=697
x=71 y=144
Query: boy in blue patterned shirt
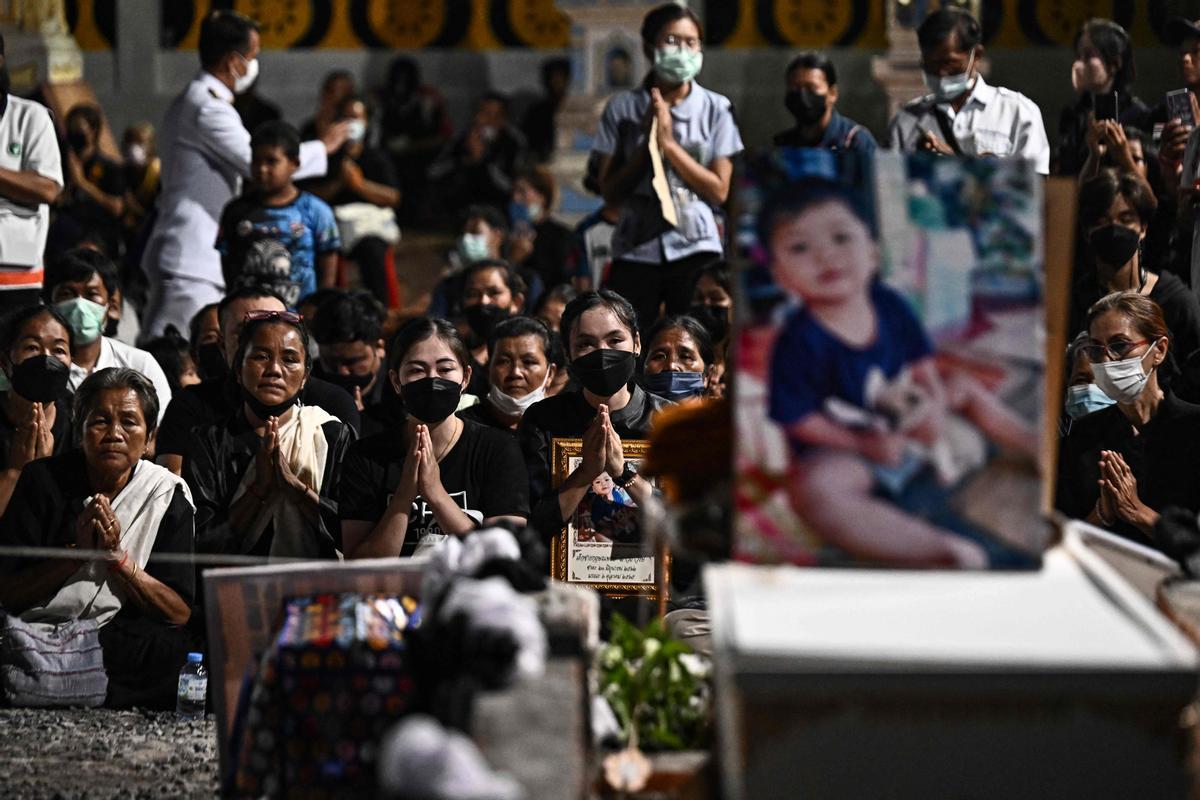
x=273 y=209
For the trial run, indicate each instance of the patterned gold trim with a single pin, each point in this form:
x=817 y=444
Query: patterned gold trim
x=561 y=452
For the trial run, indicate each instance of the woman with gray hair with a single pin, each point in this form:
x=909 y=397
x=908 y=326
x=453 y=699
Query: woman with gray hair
x=118 y=511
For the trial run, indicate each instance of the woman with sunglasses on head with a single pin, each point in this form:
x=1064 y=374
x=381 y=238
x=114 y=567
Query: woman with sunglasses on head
x=438 y=475
x=266 y=480
x=1115 y=210
x=653 y=261
x=1120 y=466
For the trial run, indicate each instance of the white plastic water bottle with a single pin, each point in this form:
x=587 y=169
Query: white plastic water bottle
x=193 y=688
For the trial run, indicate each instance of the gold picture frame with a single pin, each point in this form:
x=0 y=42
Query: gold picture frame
x=569 y=560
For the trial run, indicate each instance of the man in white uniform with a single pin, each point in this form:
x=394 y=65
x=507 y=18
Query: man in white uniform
x=963 y=114
x=30 y=179
x=205 y=153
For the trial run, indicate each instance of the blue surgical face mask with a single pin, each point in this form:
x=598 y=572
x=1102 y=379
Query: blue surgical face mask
x=675 y=386
x=85 y=317
x=527 y=213
x=677 y=65
x=947 y=88
x=1085 y=399
x=474 y=247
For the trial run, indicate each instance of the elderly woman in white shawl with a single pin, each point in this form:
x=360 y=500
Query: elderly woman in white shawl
x=118 y=511
x=266 y=480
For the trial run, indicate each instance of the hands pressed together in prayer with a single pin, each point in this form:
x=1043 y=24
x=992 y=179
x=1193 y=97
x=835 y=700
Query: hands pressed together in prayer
x=1119 y=499
x=32 y=440
x=272 y=471
x=602 y=450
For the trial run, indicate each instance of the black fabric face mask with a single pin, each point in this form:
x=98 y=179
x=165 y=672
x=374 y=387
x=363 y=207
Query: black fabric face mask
x=348 y=382
x=715 y=320
x=1114 y=244
x=264 y=411
x=5 y=85
x=210 y=362
x=805 y=105
x=605 y=372
x=482 y=318
x=78 y=140
x=40 y=379
x=431 y=400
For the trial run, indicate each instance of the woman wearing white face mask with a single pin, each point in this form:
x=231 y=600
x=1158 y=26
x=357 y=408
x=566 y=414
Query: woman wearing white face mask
x=519 y=373
x=362 y=187
x=1103 y=68
x=1121 y=465
x=655 y=262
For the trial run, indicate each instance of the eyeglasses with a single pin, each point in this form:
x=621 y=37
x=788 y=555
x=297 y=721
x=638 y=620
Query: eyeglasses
x=1116 y=351
x=290 y=317
x=690 y=42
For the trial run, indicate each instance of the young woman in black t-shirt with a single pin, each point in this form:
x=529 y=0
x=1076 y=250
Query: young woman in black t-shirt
x=406 y=489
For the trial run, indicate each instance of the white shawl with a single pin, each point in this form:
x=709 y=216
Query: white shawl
x=92 y=592
x=303 y=445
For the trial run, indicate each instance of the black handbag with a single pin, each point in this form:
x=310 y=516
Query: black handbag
x=57 y=667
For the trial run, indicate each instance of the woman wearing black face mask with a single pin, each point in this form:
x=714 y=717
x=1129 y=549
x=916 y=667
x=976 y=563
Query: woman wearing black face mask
x=406 y=489
x=811 y=95
x=265 y=482
x=601 y=333
x=492 y=292
x=35 y=409
x=1114 y=212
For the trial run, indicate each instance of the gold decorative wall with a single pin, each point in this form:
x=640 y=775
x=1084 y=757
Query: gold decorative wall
x=496 y=24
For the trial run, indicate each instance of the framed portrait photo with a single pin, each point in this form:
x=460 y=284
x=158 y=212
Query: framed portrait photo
x=602 y=545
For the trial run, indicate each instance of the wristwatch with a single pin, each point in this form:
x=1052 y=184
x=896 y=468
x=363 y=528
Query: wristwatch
x=627 y=475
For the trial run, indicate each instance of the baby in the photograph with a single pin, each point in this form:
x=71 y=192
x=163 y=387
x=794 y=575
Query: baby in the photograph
x=855 y=385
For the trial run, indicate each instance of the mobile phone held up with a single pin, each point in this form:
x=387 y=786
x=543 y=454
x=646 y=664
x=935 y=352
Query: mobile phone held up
x=1107 y=105
x=1179 y=106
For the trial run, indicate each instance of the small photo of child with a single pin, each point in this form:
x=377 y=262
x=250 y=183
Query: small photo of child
x=883 y=429
x=273 y=219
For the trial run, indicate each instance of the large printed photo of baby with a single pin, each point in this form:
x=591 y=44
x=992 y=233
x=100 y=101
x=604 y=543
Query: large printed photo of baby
x=890 y=361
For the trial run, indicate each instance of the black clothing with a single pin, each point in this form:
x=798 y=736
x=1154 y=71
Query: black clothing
x=219 y=456
x=79 y=216
x=142 y=655
x=482 y=412
x=254 y=110
x=457 y=182
x=375 y=166
x=551 y=259
x=539 y=128
x=567 y=415
x=1071 y=151
x=646 y=286
x=61 y=428
x=1164 y=458
x=483 y=473
x=213 y=401
x=478 y=385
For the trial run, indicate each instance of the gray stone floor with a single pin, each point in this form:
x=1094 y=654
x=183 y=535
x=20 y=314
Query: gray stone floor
x=96 y=753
